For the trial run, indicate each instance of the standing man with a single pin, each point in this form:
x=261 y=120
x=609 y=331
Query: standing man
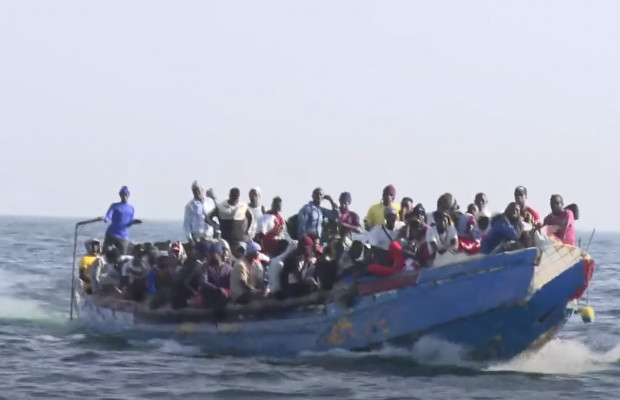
x=195 y=214
x=310 y=217
x=257 y=211
x=120 y=217
x=376 y=213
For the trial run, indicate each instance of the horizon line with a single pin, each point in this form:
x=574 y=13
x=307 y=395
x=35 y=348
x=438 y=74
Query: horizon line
x=82 y=218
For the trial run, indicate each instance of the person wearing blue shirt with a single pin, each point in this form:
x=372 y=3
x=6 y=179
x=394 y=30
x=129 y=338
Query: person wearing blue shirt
x=504 y=228
x=310 y=217
x=120 y=217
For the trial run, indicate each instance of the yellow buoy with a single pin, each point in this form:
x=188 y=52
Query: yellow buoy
x=587 y=314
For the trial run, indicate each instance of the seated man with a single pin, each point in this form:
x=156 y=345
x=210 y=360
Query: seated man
x=505 y=230
x=246 y=278
x=105 y=272
x=469 y=234
x=381 y=236
x=215 y=283
x=133 y=275
x=441 y=235
x=159 y=279
x=529 y=216
x=561 y=221
x=296 y=279
x=93 y=253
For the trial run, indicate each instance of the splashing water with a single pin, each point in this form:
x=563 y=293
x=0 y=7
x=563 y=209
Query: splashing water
x=564 y=357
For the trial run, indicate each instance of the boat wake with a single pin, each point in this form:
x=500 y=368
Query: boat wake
x=562 y=357
x=24 y=311
x=437 y=357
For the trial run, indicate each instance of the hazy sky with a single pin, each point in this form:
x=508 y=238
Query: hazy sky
x=432 y=96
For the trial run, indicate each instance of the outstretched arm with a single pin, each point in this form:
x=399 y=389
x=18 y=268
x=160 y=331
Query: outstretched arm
x=108 y=215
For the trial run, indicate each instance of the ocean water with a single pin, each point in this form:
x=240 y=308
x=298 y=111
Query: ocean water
x=44 y=355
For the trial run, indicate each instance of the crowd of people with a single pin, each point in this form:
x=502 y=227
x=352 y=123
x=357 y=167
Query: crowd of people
x=241 y=252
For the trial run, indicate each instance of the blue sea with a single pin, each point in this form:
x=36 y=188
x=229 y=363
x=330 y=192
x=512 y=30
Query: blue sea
x=44 y=355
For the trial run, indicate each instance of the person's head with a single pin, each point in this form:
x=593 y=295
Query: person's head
x=418 y=212
x=557 y=204
x=481 y=201
x=176 y=250
x=216 y=253
x=151 y=255
x=472 y=209
x=389 y=193
x=138 y=251
x=317 y=196
x=93 y=246
x=406 y=206
x=391 y=216
x=162 y=263
x=305 y=246
x=254 y=196
x=520 y=196
x=345 y=201
x=416 y=228
x=124 y=194
x=445 y=203
x=234 y=195
x=197 y=191
x=276 y=204
x=238 y=251
x=251 y=250
x=512 y=212
x=442 y=221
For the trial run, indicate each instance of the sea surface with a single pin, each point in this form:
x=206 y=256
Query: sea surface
x=44 y=355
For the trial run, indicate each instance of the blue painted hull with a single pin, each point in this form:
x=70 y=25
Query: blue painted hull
x=506 y=332
x=484 y=304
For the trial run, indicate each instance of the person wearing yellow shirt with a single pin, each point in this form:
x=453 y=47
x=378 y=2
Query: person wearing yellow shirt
x=376 y=213
x=93 y=251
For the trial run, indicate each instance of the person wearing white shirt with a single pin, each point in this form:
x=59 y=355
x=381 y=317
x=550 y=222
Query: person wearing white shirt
x=441 y=235
x=194 y=223
x=381 y=236
x=257 y=211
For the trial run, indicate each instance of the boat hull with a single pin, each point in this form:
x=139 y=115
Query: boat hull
x=498 y=323
x=506 y=332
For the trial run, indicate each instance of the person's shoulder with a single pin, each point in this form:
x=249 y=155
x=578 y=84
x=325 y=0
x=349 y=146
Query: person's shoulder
x=376 y=206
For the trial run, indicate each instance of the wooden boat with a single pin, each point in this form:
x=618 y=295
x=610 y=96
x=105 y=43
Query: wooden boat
x=495 y=306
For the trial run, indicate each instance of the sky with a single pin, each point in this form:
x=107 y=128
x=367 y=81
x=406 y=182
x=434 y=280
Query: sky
x=350 y=95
